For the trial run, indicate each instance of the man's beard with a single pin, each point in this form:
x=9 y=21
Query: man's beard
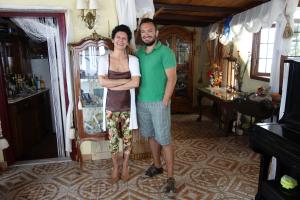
x=151 y=42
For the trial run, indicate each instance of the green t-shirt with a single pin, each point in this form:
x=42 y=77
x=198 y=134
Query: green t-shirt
x=153 y=75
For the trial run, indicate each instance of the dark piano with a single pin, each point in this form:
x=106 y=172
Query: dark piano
x=281 y=140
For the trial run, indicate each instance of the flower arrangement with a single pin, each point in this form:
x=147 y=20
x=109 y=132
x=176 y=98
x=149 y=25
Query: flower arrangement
x=215 y=75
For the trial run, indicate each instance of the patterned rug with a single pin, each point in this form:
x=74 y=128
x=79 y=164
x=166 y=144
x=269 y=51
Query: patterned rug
x=208 y=166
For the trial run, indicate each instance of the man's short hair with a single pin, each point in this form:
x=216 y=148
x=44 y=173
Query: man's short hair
x=122 y=28
x=148 y=20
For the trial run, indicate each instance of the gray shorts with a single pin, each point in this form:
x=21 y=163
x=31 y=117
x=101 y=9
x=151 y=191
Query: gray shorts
x=155 y=121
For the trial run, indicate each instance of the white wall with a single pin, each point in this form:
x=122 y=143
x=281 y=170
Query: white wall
x=77 y=31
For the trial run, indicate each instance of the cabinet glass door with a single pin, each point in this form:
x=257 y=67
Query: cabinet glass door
x=183 y=50
x=91 y=93
x=167 y=41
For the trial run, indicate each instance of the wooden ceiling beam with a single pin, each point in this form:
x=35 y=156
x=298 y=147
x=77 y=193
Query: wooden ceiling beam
x=188 y=18
x=193 y=8
x=181 y=23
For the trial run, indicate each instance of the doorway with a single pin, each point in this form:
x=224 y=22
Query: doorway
x=35 y=129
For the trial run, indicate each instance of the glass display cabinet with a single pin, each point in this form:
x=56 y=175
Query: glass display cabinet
x=180 y=40
x=87 y=91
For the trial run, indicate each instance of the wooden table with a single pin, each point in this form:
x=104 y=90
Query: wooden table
x=224 y=101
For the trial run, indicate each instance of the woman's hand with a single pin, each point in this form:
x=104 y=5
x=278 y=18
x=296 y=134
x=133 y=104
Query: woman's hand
x=133 y=83
x=110 y=83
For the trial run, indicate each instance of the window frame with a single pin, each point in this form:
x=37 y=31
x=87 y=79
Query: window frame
x=297 y=20
x=254 y=74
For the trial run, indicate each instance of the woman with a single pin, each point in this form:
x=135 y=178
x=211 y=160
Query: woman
x=119 y=74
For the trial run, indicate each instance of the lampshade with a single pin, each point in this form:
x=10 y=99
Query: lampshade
x=93 y=4
x=81 y=4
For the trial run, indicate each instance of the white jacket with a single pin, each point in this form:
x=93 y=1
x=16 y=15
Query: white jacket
x=134 y=69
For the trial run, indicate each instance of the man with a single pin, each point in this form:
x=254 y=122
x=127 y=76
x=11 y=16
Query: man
x=158 y=72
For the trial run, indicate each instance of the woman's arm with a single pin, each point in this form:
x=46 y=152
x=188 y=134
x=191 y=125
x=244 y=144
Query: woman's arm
x=133 y=83
x=110 y=83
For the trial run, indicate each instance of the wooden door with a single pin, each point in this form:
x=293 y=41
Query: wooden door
x=9 y=152
x=180 y=40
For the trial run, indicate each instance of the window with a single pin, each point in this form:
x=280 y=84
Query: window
x=262 y=51
x=295 y=46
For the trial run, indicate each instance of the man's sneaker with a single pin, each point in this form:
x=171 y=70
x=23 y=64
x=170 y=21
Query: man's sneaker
x=153 y=171
x=170 y=186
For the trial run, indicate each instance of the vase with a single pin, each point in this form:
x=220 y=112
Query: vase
x=239 y=86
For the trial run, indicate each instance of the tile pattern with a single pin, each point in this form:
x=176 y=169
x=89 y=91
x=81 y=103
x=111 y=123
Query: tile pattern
x=208 y=166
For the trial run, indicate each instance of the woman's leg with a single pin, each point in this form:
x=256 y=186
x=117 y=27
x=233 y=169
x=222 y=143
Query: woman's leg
x=127 y=141
x=112 y=124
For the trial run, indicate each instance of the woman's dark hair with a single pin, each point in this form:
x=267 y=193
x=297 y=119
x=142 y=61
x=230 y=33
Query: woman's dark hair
x=148 y=20
x=121 y=28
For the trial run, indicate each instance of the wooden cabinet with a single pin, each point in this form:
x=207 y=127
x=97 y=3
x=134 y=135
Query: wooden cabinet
x=15 y=54
x=180 y=40
x=88 y=92
x=30 y=120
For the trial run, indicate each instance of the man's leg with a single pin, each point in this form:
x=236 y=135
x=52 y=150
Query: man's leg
x=162 y=126
x=147 y=131
x=169 y=158
x=156 y=152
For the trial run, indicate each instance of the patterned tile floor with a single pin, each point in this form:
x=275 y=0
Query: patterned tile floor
x=208 y=166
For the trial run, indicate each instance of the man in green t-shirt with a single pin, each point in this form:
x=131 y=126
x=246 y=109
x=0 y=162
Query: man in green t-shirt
x=158 y=79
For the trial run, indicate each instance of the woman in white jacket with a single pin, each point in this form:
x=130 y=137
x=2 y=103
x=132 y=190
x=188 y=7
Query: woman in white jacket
x=119 y=74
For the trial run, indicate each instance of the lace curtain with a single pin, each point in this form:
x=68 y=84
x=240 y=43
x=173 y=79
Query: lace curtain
x=46 y=29
x=263 y=16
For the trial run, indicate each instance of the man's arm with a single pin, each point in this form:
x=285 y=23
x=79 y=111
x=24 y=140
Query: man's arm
x=132 y=83
x=172 y=78
x=110 y=83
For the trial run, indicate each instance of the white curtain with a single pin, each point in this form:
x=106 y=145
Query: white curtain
x=263 y=16
x=144 y=8
x=127 y=15
x=282 y=45
x=46 y=29
x=69 y=126
x=129 y=10
x=3 y=142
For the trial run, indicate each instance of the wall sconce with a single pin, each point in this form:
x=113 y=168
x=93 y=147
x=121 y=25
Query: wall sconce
x=88 y=11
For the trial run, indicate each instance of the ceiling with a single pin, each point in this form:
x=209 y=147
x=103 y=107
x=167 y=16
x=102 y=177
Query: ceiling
x=199 y=12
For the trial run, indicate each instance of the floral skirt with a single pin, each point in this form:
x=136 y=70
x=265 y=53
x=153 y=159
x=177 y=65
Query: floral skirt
x=118 y=128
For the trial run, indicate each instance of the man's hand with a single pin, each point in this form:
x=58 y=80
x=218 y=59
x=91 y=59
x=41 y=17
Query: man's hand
x=166 y=101
x=172 y=77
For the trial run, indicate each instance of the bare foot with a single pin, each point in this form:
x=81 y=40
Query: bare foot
x=125 y=173
x=115 y=175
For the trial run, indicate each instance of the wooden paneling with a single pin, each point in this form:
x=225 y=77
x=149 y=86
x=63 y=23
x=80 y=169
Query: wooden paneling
x=180 y=40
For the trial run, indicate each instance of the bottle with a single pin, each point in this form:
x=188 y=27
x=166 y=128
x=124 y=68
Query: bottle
x=33 y=82
x=42 y=84
x=37 y=83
